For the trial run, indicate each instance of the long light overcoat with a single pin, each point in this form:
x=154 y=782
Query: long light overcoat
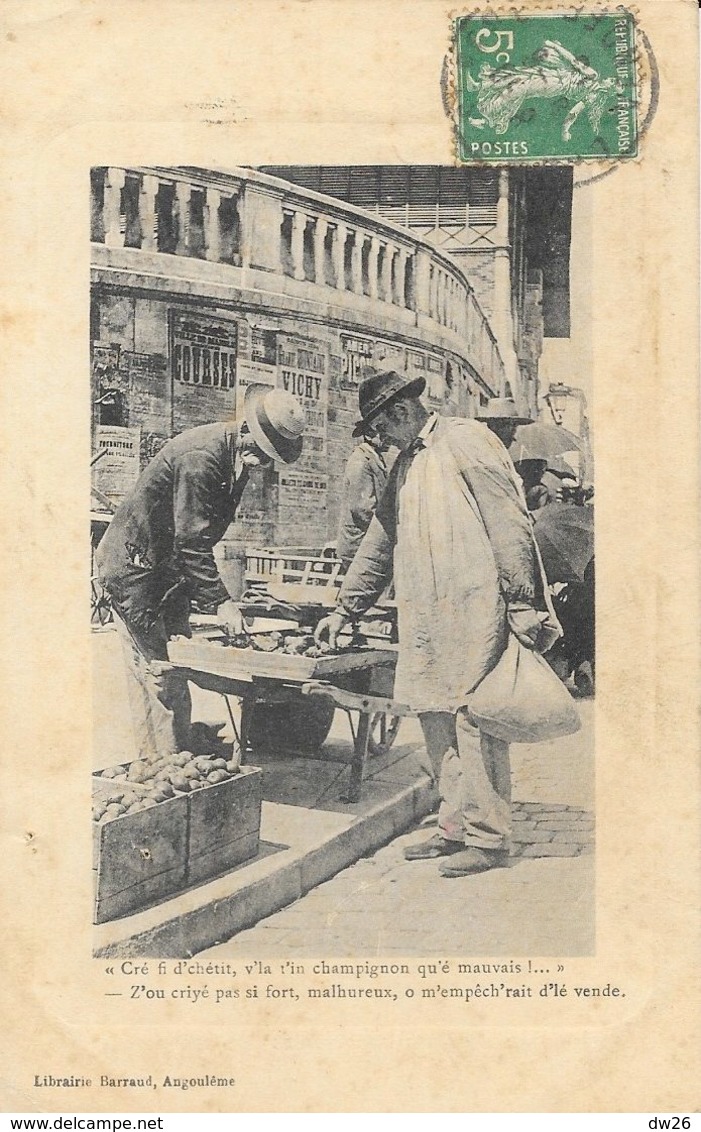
x=453 y=529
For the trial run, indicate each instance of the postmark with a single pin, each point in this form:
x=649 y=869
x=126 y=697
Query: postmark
x=538 y=87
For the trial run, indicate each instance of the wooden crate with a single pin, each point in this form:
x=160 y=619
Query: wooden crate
x=144 y=857
x=224 y=824
x=140 y=858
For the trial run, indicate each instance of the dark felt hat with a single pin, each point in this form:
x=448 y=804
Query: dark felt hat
x=380 y=390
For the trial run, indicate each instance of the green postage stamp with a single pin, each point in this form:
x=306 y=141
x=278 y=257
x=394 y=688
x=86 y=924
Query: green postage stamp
x=553 y=86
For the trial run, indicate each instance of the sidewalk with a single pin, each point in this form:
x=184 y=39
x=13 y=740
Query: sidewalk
x=383 y=906
x=308 y=832
x=543 y=904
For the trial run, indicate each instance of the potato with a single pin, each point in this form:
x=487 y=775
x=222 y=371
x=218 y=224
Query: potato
x=138 y=771
x=137 y=807
x=162 y=786
x=181 y=759
x=216 y=776
x=203 y=763
x=232 y=767
x=264 y=642
x=113 y=794
x=114 y=810
x=109 y=772
x=293 y=645
x=218 y=764
x=196 y=783
x=190 y=771
x=179 y=782
x=97 y=812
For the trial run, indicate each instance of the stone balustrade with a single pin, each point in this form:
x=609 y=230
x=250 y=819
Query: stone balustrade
x=329 y=250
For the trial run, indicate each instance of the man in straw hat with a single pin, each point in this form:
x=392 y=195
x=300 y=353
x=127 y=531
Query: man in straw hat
x=502 y=417
x=157 y=554
x=453 y=529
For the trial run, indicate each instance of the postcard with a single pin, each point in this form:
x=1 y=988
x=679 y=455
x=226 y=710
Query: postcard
x=341 y=342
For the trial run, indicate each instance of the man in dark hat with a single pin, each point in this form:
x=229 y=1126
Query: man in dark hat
x=453 y=530
x=157 y=554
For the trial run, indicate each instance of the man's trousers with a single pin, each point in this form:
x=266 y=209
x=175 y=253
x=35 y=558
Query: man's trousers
x=474 y=780
x=160 y=702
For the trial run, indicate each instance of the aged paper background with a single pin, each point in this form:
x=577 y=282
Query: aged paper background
x=318 y=81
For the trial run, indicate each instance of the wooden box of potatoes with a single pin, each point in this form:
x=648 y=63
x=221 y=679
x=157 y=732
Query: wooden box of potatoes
x=161 y=826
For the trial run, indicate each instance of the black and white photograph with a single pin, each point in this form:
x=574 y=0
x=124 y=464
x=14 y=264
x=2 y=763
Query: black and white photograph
x=350 y=413
x=342 y=521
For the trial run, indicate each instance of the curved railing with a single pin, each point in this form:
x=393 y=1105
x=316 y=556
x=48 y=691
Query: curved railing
x=257 y=223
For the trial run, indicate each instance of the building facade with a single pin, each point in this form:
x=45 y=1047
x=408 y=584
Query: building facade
x=509 y=229
x=204 y=281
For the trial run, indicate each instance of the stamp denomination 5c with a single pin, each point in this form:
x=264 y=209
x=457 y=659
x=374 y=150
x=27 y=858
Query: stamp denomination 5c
x=552 y=86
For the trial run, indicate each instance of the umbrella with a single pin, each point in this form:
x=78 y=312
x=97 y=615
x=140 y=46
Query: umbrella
x=560 y=468
x=541 y=442
x=565 y=536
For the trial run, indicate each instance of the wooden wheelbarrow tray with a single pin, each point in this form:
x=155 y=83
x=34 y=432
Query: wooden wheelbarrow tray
x=255 y=677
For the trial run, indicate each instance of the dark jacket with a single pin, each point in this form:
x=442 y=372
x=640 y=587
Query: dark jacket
x=365 y=482
x=161 y=539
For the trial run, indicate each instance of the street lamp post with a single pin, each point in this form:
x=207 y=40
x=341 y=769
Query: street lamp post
x=558 y=399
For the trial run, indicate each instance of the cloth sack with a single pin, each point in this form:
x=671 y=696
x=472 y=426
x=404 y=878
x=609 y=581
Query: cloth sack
x=522 y=700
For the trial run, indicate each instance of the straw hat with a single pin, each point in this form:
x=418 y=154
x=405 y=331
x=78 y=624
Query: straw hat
x=276 y=421
x=502 y=409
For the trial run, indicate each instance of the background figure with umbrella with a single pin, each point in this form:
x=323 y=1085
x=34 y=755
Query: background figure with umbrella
x=564 y=531
x=565 y=536
x=534 y=449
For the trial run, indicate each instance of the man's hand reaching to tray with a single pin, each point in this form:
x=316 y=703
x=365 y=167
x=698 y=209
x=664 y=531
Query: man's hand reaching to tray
x=329 y=627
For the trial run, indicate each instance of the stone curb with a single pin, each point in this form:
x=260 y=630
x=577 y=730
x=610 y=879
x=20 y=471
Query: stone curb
x=216 y=911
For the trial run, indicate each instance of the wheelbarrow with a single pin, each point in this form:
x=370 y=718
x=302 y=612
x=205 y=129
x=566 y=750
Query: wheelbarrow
x=290 y=700
x=300 y=603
